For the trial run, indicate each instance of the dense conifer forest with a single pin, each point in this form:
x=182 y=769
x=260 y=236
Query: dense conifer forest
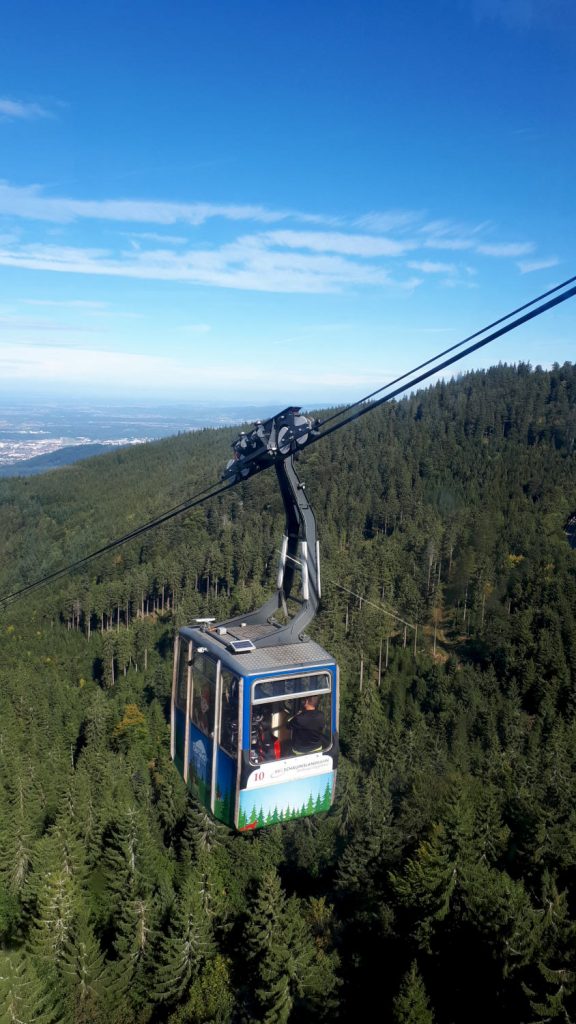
x=442 y=884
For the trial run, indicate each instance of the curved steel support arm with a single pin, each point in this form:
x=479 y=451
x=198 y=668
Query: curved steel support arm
x=299 y=557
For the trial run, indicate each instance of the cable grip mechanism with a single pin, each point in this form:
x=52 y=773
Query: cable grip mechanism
x=269 y=442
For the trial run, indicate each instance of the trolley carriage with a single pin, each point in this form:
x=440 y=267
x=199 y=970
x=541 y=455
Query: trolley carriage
x=238 y=685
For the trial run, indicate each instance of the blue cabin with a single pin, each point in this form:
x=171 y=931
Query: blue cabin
x=233 y=712
x=254 y=718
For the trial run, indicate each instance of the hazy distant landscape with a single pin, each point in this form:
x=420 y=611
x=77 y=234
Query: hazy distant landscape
x=38 y=437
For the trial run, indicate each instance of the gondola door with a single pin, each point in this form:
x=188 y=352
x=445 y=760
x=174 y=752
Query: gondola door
x=180 y=713
x=202 y=719
x=229 y=739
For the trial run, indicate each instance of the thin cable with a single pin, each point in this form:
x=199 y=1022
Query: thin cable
x=203 y=495
x=372 y=604
x=170 y=514
x=446 y=351
x=447 y=362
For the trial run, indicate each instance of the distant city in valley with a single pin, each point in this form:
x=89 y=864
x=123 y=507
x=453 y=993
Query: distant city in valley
x=31 y=434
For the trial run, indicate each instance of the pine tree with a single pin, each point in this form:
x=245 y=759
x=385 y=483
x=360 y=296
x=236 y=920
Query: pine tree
x=54 y=894
x=426 y=884
x=189 y=943
x=133 y=947
x=411 y=1004
x=83 y=971
x=211 y=998
x=287 y=966
x=25 y=996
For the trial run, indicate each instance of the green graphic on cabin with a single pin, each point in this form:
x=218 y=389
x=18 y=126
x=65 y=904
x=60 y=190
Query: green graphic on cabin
x=271 y=805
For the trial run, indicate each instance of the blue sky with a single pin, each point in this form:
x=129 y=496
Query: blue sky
x=268 y=201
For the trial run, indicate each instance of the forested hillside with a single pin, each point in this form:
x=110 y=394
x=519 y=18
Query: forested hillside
x=443 y=882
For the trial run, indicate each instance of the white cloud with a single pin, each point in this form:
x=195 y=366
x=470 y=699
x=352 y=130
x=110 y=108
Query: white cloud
x=15 y=110
x=453 y=244
x=390 y=221
x=428 y=267
x=82 y=304
x=153 y=236
x=30 y=202
x=274 y=259
x=506 y=249
x=333 y=241
x=246 y=264
x=527 y=266
x=46 y=364
x=42 y=331
x=86 y=307
x=451 y=235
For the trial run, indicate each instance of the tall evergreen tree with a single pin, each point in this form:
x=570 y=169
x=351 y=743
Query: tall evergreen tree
x=411 y=1005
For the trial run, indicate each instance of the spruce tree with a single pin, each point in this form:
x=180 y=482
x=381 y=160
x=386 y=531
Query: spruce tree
x=189 y=944
x=411 y=1005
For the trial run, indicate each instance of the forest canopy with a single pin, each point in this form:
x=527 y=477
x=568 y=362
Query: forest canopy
x=442 y=884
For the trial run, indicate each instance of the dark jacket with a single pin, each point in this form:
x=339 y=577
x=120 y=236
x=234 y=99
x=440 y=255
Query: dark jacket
x=307 y=731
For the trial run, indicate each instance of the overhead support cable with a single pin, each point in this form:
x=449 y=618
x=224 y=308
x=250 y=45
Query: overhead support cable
x=213 y=490
x=372 y=604
x=197 y=499
x=446 y=351
x=368 y=406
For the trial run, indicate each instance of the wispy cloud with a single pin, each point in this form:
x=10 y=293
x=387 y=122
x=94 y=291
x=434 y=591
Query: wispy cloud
x=452 y=236
x=53 y=363
x=44 y=331
x=247 y=264
x=16 y=110
x=31 y=202
x=154 y=236
x=276 y=250
x=86 y=305
x=333 y=241
x=450 y=244
x=392 y=220
x=527 y=266
x=510 y=249
x=428 y=267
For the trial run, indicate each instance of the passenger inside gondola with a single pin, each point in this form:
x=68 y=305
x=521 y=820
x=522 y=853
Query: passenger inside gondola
x=288 y=720
x=307 y=728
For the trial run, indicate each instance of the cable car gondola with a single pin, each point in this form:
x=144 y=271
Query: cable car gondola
x=254 y=715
